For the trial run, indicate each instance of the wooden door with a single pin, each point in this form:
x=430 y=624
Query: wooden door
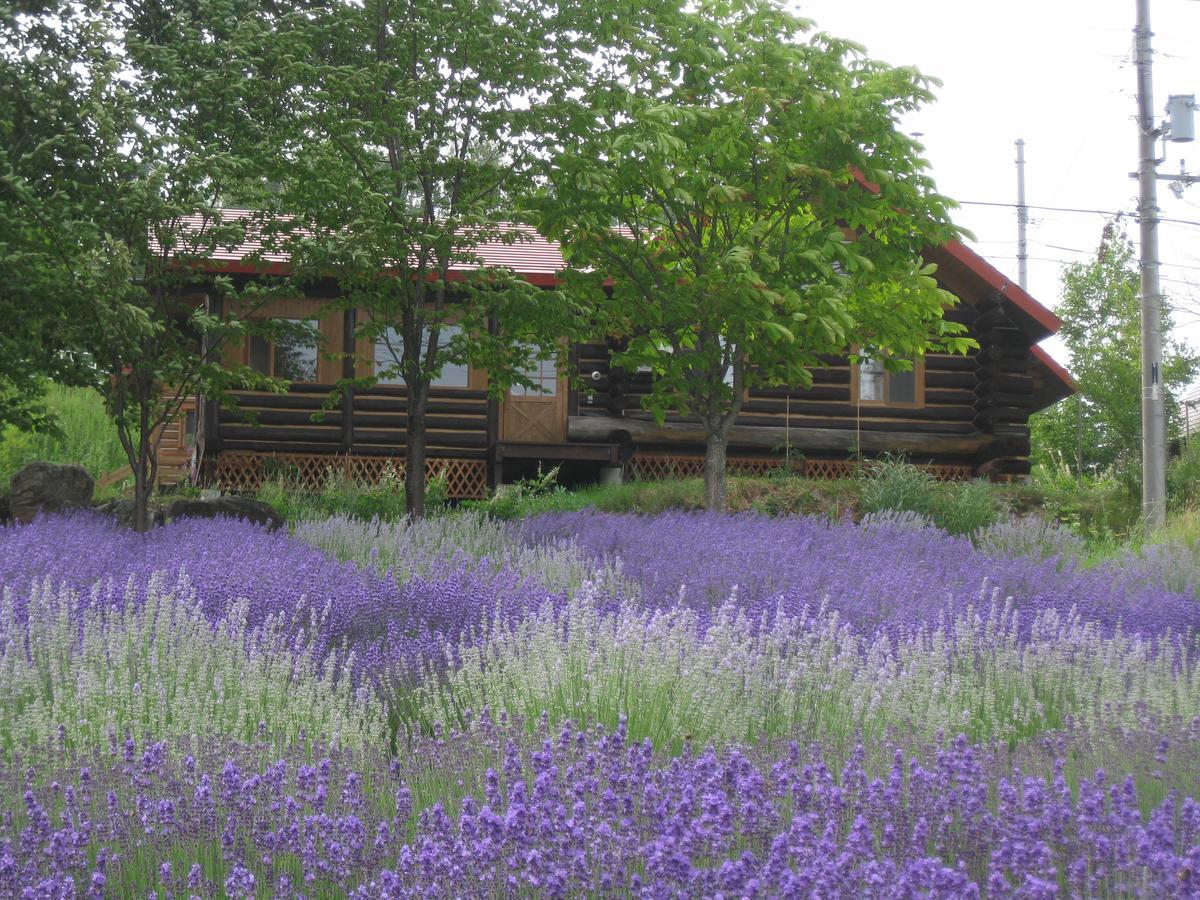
x=536 y=417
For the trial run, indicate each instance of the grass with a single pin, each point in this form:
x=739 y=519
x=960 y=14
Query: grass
x=87 y=437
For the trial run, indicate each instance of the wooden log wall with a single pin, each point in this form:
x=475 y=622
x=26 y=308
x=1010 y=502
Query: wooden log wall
x=1004 y=393
x=952 y=407
x=374 y=420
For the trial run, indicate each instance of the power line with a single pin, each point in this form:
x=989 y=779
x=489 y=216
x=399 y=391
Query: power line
x=1069 y=209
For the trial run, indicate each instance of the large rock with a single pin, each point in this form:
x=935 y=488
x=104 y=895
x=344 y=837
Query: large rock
x=49 y=487
x=234 y=507
x=123 y=512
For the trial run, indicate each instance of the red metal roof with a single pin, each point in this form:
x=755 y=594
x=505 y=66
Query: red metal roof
x=994 y=278
x=529 y=253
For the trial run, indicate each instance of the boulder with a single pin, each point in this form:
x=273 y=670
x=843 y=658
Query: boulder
x=49 y=487
x=122 y=511
x=231 y=506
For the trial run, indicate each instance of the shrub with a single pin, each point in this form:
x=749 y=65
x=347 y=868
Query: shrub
x=1032 y=536
x=1183 y=478
x=155 y=665
x=739 y=675
x=956 y=507
x=383 y=499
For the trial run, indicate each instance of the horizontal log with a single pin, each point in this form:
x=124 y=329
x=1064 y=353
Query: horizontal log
x=440 y=393
x=995 y=415
x=949 y=363
x=831 y=375
x=959 y=397
x=399 y=436
x=297 y=417
x=1009 y=337
x=602 y=428
x=816 y=392
x=434 y=406
x=451 y=421
x=933 y=412
x=1006 y=383
x=261 y=446
x=951 y=380
x=993 y=354
x=431 y=450
x=317 y=434
x=258 y=400
x=1004 y=398
x=864 y=424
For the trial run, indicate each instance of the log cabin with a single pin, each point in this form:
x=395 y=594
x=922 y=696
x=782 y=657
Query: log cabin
x=959 y=416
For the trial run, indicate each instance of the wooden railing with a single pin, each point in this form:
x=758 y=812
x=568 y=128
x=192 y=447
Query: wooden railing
x=657 y=466
x=245 y=471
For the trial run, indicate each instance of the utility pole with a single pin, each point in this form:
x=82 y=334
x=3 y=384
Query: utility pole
x=1022 y=220
x=1154 y=444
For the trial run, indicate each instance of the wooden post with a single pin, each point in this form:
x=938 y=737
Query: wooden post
x=211 y=421
x=348 y=326
x=495 y=471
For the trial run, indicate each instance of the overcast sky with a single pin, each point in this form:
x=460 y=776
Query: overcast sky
x=1058 y=73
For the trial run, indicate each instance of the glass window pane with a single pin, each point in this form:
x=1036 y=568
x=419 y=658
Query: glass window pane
x=296 y=357
x=390 y=346
x=870 y=381
x=902 y=387
x=454 y=375
x=260 y=355
x=545 y=375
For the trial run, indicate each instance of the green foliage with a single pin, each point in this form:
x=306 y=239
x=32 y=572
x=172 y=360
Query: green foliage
x=85 y=435
x=428 y=167
x=1102 y=332
x=221 y=681
x=1103 y=510
x=1183 y=479
x=528 y=497
x=342 y=496
x=114 y=160
x=726 y=149
x=957 y=507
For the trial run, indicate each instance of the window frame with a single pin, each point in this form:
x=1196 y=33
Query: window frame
x=443 y=341
x=918 y=401
x=523 y=393
x=271 y=372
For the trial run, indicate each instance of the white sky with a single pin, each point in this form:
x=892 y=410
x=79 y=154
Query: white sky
x=1058 y=73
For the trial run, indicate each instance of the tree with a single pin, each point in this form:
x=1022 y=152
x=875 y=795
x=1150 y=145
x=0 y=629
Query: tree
x=419 y=128
x=767 y=211
x=40 y=152
x=122 y=154
x=1101 y=427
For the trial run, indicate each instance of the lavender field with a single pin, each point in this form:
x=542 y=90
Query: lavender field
x=590 y=704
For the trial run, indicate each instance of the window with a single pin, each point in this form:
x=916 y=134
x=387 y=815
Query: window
x=189 y=428
x=293 y=357
x=873 y=384
x=389 y=346
x=542 y=373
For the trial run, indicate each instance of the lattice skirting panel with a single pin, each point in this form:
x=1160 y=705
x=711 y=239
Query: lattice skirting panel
x=237 y=470
x=656 y=466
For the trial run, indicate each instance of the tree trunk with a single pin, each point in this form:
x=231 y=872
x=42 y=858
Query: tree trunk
x=144 y=468
x=716 y=447
x=142 y=488
x=414 y=456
